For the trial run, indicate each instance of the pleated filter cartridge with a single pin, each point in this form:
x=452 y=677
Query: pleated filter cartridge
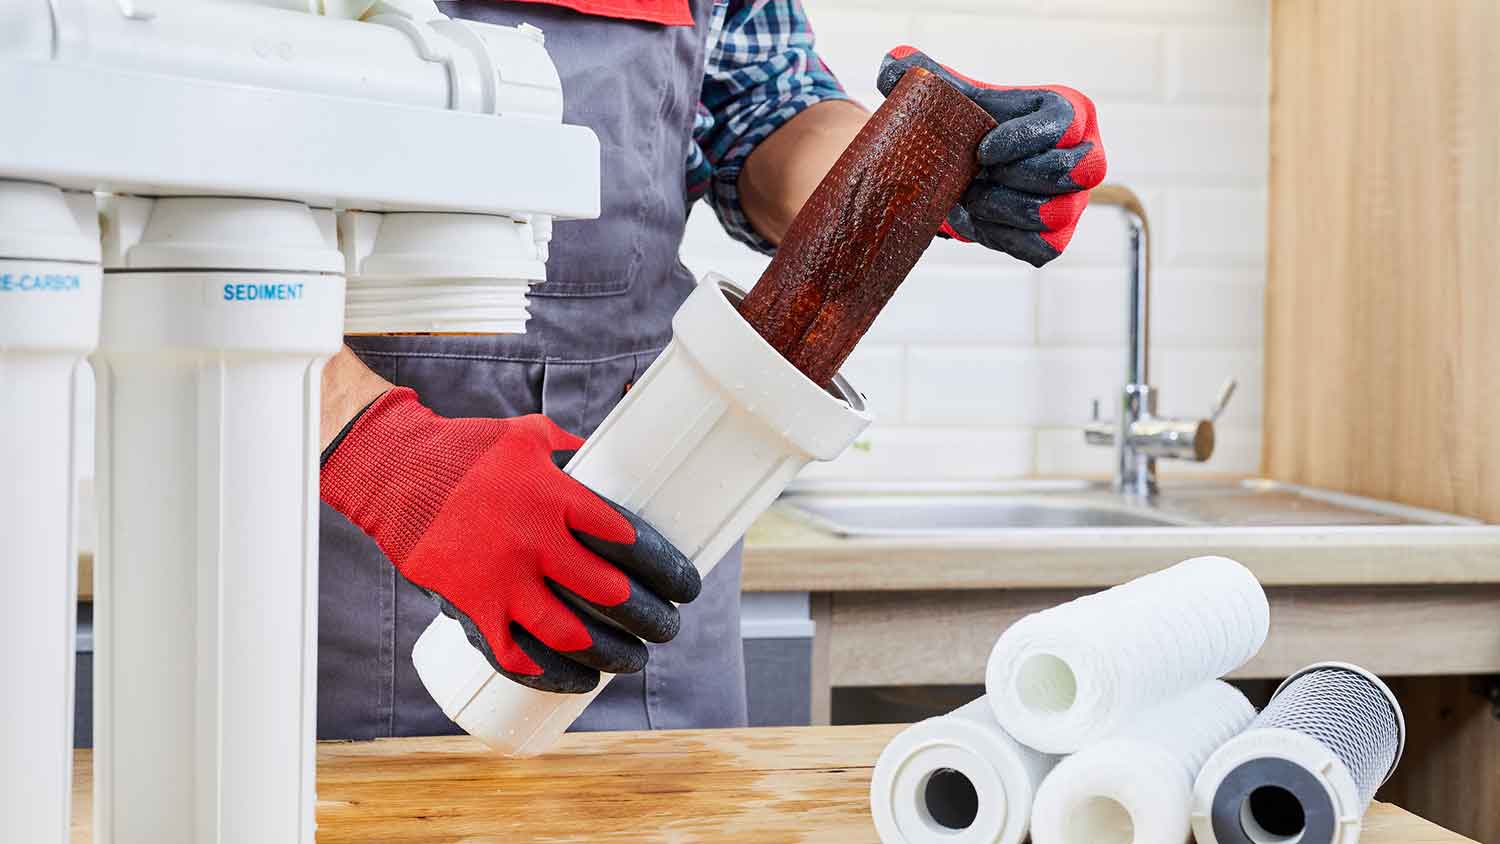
x=1306 y=769
x=1136 y=787
x=1067 y=677
x=956 y=779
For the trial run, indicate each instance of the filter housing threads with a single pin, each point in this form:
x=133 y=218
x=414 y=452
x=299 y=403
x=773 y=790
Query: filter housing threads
x=1074 y=674
x=956 y=778
x=1308 y=767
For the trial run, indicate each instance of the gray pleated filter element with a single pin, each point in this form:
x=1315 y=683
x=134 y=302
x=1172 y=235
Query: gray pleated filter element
x=1307 y=768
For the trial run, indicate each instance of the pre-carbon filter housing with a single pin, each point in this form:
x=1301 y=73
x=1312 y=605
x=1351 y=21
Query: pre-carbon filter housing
x=49 y=319
x=1308 y=766
x=700 y=447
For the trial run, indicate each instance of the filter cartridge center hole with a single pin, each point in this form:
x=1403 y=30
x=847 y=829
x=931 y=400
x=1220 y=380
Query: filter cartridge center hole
x=1046 y=684
x=1099 y=820
x=950 y=798
x=1273 y=815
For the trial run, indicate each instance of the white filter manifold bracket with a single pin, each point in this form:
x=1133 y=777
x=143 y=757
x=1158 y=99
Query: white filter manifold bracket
x=700 y=447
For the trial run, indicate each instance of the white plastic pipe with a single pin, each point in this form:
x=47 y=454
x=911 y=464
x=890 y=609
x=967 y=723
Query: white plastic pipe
x=49 y=319
x=206 y=581
x=701 y=446
x=956 y=779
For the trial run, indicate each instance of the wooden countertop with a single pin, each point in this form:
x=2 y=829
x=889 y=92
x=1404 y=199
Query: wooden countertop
x=808 y=784
x=785 y=554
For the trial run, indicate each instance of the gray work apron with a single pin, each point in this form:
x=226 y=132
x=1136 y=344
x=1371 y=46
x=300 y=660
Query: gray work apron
x=597 y=322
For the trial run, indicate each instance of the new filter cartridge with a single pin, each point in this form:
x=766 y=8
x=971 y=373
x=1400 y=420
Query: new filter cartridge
x=1071 y=675
x=1307 y=768
x=957 y=779
x=1136 y=787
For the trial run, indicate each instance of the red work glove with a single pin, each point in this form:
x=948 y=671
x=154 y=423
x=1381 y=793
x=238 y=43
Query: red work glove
x=1037 y=165
x=479 y=513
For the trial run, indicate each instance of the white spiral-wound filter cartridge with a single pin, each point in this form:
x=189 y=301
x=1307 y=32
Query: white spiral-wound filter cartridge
x=958 y=779
x=1136 y=787
x=1307 y=768
x=1071 y=675
x=700 y=447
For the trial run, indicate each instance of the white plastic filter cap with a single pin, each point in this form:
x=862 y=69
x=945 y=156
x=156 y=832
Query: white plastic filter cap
x=44 y=223
x=216 y=233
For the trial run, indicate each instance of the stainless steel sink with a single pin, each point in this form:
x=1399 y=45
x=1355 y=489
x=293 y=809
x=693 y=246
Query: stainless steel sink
x=948 y=510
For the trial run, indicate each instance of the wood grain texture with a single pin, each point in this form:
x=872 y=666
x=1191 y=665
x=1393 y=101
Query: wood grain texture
x=1383 y=296
x=784 y=554
x=869 y=220
x=944 y=638
x=763 y=786
x=1449 y=768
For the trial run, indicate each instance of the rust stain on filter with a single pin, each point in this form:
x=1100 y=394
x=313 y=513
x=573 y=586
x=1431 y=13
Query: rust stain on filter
x=870 y=219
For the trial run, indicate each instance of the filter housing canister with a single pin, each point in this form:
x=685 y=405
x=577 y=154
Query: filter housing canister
x=700 y=447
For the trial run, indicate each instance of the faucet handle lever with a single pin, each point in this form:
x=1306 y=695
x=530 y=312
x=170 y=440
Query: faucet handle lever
x=1095 y=416
x=1226 y=392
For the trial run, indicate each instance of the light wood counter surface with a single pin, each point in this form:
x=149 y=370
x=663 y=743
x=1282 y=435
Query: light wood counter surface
x=766 y=786
x=786 y=554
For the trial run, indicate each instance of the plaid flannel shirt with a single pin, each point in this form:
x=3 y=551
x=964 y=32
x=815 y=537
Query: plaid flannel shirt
x=761 y=71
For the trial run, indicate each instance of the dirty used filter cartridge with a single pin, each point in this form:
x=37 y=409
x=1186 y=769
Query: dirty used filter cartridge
x=1068 y=676
x=956 y=779
x=1307 y=768
x=1136 y=787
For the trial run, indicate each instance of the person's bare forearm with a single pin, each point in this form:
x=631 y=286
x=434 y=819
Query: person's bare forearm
x=348 y=387
x=782 y=172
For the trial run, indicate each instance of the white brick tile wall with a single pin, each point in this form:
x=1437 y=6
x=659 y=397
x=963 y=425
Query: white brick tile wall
x=982 y=367
x=1215 y=227
x=887 y=453
x=1217 y=65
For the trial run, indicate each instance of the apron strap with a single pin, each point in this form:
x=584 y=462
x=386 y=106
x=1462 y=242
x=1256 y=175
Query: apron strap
x=665 y=12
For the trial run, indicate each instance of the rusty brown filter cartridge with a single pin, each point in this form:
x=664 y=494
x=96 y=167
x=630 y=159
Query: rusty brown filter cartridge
x=867 y=223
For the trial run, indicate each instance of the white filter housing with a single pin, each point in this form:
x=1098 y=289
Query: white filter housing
x=49 y=320
x=700 y=447
x=956 y=779
x=218 y=314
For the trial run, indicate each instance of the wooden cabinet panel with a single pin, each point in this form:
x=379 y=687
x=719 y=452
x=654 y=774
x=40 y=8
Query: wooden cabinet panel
x=1383 y=296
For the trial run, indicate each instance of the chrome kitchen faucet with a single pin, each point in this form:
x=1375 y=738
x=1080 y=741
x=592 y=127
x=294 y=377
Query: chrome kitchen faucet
x=1137 y=433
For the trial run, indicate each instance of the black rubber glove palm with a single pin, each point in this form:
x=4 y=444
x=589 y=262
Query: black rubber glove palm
x=1037 y=165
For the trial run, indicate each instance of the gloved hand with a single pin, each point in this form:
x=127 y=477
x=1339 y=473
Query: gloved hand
x=1037 y=165
x=479 y=513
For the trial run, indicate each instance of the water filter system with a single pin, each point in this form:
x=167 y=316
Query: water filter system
x=49 y=320
x=700 y=446
x=245 y=158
